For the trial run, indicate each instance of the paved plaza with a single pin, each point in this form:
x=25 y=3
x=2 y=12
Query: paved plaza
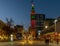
x=27 y=43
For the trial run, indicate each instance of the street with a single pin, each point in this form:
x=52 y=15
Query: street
x=27 y=43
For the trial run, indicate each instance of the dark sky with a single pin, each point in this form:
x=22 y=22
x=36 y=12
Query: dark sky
x=19 y=10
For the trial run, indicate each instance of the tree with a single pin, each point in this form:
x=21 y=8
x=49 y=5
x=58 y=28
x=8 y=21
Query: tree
x=9 y=22
x=8 y=28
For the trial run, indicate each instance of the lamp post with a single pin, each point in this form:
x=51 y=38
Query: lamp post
x=46 y=27
x=55 y=24
x=11 y=38
x=55 y=29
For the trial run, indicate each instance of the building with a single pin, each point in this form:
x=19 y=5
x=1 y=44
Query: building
x=33 y=16
x=19 y=28
x=49 y=21
x=32 y=28
x=52 y=31
x=37 y=21
x=2 y=31
x=40 y=18
x=18 y=32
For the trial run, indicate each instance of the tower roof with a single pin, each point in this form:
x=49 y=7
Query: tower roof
x=32 y=10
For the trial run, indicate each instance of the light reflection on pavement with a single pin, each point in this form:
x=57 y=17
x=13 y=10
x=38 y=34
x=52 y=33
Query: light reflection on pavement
x=26 y=43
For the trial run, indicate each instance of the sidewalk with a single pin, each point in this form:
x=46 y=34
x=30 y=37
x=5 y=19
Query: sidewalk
x=54 y=44
x=50 y=43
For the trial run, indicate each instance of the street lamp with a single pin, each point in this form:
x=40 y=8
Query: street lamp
x=55 y=27
x=56 y=34
x=46 y=27
x=55 y=24
x=11 y=38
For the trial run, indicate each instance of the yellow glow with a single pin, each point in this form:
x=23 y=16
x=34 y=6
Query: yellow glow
x=30 y=42
x=1 y=38
x=59 y=34
x=26 y=42
x=23 y=42
x=5 y=37
x=46 y=26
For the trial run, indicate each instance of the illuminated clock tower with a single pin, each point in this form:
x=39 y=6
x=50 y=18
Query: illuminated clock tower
x=37 y=21
x=33 y=21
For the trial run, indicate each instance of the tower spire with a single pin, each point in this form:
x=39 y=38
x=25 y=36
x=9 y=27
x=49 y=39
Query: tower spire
x=33 y=10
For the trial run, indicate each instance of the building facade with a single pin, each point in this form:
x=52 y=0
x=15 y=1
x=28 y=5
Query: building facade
x=52 y=31
x=49 y=21
x=37 y=22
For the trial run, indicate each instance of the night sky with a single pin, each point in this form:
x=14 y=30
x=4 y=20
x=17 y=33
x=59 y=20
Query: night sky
x=19 y=10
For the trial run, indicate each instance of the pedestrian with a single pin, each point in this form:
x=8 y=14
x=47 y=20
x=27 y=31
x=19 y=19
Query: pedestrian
x=57 y=40
x=47 y=41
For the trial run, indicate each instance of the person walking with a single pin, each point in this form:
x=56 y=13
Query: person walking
x=57 y=40
x=47 y=41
